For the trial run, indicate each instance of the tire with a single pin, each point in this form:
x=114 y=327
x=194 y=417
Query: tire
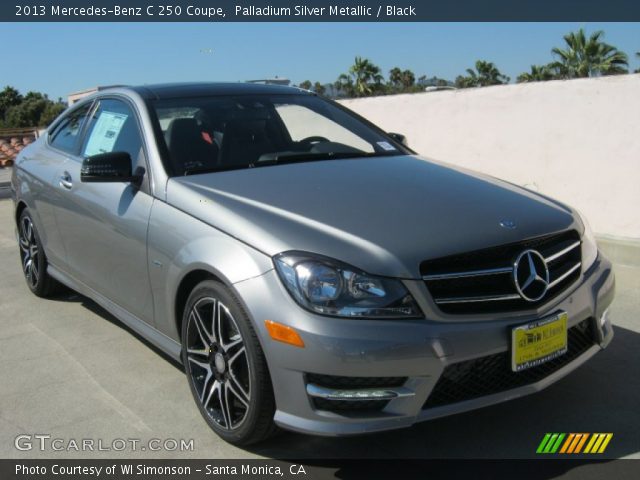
x=33 y=259
x=226 y=370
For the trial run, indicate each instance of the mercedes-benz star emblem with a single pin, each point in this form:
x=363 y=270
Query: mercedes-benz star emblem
x=531 y=275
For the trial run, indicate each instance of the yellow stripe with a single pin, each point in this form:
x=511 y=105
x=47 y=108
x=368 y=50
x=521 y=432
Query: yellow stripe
x=598 y=442
x=584 y=439
x=567 y=443
x=590 y=444
x=606 y=442
x=575 y=442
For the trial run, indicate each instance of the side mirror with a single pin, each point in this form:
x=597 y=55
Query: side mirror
x=398 y=137
x=108 y=167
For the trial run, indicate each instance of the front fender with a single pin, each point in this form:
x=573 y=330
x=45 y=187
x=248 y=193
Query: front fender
x=178 y=245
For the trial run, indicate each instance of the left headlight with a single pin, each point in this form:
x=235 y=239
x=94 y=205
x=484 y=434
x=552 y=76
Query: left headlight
x=329 y=287
x=589 y=245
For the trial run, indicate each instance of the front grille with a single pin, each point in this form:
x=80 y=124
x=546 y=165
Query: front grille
x=352 y=383
x=482 y=281
x=492 y=374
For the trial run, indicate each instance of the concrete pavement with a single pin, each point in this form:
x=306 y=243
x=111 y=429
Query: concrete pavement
x=71 y=370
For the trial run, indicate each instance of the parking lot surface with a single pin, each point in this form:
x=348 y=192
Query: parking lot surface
x=70 y=370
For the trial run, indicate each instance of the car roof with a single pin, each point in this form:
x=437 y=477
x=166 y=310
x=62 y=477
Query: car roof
x=203 y=89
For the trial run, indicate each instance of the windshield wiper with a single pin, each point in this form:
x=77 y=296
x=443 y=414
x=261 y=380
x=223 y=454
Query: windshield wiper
x=198 y=170
x=310 y=156
x=288 y=158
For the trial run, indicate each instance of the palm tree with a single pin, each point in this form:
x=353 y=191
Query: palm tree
x=408 y=79
x=319 y=88
x=306 y=85
x=588 y=57
x=395 y=77
x=366 y=77
x=344 y=85
x=469 y=81
x=486 y=73
x=637 y=70
x=538 y=73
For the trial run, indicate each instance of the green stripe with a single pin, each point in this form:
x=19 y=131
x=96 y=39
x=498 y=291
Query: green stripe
x=558 y=442
x=542 y=444
x=550 y=443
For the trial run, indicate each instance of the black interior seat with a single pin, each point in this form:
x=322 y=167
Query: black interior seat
x=187 y=148
x=244 y=141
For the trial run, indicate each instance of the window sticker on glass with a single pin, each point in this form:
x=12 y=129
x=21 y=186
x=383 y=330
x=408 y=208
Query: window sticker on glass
x=105 y=133
x=386 y=146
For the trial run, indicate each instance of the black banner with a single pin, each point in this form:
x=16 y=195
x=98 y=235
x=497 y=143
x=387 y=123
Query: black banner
x=320 y=469
x=317 y=10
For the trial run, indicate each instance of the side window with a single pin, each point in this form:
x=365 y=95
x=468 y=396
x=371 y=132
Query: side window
x=66 y=134
x=113 y=128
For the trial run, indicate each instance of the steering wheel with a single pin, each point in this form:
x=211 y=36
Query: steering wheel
x=313 y=139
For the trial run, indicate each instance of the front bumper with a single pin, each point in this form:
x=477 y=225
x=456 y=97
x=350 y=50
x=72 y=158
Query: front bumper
x=418 y=351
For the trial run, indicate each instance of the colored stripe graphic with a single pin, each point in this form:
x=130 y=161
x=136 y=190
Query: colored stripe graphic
x=550 y=443
x=555 y=447
x=576 y=439
x=581 y=442
x=543 y=443
x=574 y=443
x=607 y=439
x=567 y=443
x=590 y=444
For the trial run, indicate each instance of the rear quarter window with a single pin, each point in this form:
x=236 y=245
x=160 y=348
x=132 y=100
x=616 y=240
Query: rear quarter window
x=66 y=134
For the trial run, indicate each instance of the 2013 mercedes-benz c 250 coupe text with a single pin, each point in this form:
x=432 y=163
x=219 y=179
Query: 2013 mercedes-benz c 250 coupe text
x=309 y=270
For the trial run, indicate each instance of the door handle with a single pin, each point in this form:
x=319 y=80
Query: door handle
x=65 y=181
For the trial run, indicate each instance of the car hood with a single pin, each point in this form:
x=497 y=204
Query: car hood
x=384 y=215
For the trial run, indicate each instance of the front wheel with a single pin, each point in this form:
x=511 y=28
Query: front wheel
x=225 y=366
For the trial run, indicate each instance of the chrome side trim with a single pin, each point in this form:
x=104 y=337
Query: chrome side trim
x=484 y=298
x=562 y=252
x=471 y=273
x=565 y=275
x=359 y=394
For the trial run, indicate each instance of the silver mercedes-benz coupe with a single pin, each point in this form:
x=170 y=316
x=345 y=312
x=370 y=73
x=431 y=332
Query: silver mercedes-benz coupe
x=308 y=269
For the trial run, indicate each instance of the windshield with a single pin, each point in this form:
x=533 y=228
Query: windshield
x=233 y=132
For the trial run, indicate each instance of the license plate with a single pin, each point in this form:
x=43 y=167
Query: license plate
x=538 y=342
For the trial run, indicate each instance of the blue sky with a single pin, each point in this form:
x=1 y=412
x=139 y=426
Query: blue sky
x=58 y=58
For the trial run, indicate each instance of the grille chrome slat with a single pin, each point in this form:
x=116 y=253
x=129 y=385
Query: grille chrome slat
x=486 y=298
x=483 y=281
x=471 y=273
x=565 y=275
x=562 y=252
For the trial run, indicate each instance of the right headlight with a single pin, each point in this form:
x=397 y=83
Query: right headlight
x=329 y=287
x=589 y=245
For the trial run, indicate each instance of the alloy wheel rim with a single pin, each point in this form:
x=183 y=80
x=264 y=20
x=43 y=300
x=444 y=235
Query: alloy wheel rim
x=29 y=251
x=218 y=363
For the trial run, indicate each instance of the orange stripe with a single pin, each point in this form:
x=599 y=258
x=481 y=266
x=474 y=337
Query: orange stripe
x=575 y=442
x=584 y=439
x=606 y=442
x=567 y=442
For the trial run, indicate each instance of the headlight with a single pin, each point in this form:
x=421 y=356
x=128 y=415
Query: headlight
x=329 y=287
x=589 y=245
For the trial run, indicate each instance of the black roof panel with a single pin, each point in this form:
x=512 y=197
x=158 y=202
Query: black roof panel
x=203 y=89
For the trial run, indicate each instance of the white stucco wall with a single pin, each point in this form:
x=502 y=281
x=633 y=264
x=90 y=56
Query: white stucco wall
x=577 y=140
